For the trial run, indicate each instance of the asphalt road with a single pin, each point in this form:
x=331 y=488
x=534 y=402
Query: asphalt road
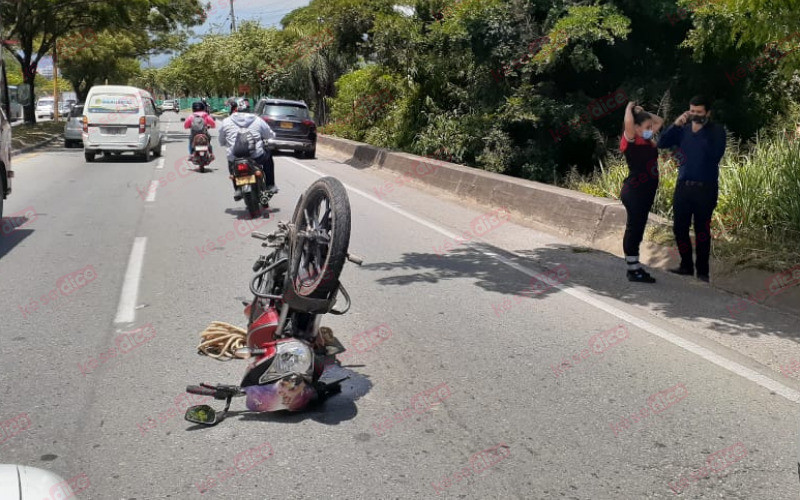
x=541 y=376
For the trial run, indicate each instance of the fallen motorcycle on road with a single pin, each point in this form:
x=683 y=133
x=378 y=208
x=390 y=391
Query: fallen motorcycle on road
x=293 y=287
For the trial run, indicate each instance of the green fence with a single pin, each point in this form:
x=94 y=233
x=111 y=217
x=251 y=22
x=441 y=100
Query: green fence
x=216 y=103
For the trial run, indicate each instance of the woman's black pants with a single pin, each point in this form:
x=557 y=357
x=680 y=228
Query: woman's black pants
x=637 y=201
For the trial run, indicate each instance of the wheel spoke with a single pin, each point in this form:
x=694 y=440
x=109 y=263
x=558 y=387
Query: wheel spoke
x=326 y=219
x=315 y=224
x=326 y=215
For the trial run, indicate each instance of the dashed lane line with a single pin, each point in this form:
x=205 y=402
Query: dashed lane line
x=126 y=310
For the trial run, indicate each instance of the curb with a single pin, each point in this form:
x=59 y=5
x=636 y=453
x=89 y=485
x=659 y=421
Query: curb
x=597 y=222
x=28 y=149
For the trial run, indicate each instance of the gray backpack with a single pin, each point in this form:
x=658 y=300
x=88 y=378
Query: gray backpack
x=199 y=125
x=245 y=144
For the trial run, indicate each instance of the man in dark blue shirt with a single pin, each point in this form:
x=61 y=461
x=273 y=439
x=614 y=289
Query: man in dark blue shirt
x=702 y=144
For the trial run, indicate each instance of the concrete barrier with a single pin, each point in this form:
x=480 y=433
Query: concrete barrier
x=596 y=221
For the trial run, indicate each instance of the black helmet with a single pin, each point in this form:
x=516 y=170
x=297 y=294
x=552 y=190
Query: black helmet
x=198 y=106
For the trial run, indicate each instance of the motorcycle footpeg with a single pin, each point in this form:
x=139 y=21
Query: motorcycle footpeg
x=355 y=259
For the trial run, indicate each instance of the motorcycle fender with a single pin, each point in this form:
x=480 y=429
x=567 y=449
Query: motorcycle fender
x=247 y=188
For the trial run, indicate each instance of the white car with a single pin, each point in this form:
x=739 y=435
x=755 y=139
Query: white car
x=44 y=107
x=168 y=105
x=18 y=482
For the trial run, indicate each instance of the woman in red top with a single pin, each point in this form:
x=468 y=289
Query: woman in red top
x=639 y=188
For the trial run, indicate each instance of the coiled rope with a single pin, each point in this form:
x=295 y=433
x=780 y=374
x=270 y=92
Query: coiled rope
x=220 y=340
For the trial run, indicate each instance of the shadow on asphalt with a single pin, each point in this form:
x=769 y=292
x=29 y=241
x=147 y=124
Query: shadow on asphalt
x=122 y=158
x=243 y=214
x=12 y=238
x=600 y=272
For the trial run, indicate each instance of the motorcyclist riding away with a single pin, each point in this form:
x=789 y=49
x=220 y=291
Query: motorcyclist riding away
x=199 y=122
x=260 y=132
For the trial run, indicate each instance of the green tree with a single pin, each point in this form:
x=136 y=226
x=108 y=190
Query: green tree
x=38 y=24
x=111 y=57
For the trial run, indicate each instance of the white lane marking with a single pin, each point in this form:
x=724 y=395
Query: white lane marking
x=160 y=163
x=708 y=355
x=151 y=192
x=126 y=310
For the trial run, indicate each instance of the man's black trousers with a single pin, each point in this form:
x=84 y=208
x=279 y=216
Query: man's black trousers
x=694 y=201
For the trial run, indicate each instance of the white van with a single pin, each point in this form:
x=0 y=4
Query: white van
x=118 y=118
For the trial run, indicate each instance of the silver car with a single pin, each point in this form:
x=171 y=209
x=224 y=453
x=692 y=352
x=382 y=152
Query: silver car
x=73 y=130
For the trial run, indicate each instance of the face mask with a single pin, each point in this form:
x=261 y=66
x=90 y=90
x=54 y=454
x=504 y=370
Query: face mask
x=647 y=134
x=702 y=120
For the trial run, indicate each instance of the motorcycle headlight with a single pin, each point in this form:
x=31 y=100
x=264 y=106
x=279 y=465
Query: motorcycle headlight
x=292 y=357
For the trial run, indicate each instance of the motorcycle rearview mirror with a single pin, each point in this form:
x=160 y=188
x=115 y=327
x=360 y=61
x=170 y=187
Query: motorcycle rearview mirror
x=202 y=414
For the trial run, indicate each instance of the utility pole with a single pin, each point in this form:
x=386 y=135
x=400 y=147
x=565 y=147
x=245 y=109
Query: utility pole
x=55 y=80
x=233 y=19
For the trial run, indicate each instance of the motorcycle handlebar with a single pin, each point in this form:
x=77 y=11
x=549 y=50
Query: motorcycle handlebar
x=203 y=391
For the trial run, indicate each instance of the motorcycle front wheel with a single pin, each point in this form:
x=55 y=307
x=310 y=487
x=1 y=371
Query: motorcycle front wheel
x=322 y=221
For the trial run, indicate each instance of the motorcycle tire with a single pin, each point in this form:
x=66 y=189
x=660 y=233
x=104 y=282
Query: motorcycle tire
x=325 y=196
x=251 y=202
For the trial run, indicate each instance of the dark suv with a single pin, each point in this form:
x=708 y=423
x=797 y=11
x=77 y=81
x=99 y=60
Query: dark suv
x=294 y=129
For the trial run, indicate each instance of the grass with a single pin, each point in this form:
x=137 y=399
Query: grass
x=28 y=135
x=757 y=219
